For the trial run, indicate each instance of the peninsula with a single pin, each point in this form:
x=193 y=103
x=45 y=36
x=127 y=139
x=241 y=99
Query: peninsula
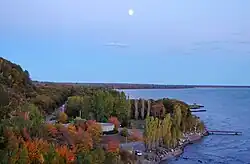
x=64 y=123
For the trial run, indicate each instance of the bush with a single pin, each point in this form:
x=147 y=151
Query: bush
x=62 y=117
x=124 y=132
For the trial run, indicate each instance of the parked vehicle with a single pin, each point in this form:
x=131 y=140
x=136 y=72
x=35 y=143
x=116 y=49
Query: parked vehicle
x=139 y=153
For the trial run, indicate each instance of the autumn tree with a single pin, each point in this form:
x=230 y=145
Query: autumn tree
x=83 y=141
x=113 y=146
x=114 y=121
x=62 y=117
x=95 y=130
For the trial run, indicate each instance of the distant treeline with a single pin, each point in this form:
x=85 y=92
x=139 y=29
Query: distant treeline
x=122 y=85
x=143 y=86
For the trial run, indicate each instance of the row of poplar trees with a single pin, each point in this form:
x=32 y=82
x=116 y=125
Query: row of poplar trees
x=167 y=131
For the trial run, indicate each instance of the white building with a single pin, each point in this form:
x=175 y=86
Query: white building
x=106 y=127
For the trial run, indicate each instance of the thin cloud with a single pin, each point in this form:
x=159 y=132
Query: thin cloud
x=116 y=44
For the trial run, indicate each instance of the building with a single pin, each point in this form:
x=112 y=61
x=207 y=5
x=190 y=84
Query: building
x=107 y=127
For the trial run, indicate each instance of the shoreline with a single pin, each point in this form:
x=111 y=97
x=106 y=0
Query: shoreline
x=164 y=154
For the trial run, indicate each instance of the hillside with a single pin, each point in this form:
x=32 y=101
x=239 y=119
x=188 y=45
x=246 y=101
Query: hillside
x=16 y=89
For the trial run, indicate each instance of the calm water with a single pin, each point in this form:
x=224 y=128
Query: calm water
x=227 y=109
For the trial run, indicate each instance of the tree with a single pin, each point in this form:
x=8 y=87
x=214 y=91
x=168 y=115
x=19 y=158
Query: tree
x=124 y=132
x=147 y=133
x=83 y=141
x=97 y=156
x=67 y=155
x=121 y=106
x=74 y=105
x=98 y=106
x=114 y=121
x=62 y=117
x=95 y=130
x=33 y=114
x=108 y=105
x=167 y=124
x=113 y=146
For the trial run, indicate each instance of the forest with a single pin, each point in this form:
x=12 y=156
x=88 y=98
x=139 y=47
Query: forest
x=26 y=136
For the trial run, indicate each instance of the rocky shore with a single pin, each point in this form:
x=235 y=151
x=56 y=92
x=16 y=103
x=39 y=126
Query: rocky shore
x=162 y=154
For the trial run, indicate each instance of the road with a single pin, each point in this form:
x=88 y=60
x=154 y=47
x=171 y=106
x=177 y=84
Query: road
x=134 y=145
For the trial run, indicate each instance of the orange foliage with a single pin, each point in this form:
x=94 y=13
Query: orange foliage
x=114 y=121
x=66 y=153
x=83 y=141
x=36 y=148
x=72 y=129
x=95 y=131
x=52 y=130
x=81 y=124
x=113 y=146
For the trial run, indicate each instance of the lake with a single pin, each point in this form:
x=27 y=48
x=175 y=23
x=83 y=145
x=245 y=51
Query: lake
x=227 y=109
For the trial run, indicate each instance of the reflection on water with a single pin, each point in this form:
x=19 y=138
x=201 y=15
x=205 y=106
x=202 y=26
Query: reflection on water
x=227 y=109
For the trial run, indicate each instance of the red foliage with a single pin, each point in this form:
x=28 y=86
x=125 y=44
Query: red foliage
x=135 y=135
x=67 y=154
x=89 y=123
x=83 y=141
x=81 y=124
x=158 y=109
x=113 y=146
x=114 y=121
x=52 y=130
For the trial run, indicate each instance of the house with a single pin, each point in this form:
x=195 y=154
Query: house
x=107 y=127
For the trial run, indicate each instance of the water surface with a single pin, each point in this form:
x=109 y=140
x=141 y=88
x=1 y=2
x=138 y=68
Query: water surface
x=227 y=109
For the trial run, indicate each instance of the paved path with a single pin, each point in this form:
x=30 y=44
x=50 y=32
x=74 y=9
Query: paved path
x=135 y=145
x=50 y=116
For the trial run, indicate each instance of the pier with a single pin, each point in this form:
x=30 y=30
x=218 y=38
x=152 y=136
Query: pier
x=220 y=132
x=203 y=110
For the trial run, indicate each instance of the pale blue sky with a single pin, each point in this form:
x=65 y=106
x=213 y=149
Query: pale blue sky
x=168 y=41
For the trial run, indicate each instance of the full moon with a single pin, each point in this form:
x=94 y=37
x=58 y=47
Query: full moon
x=130 y=12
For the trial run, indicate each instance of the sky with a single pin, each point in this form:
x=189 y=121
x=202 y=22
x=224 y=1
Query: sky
x=164 y=42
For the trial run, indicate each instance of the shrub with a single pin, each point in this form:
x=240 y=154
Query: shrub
x=124 y=132
x=62 y=117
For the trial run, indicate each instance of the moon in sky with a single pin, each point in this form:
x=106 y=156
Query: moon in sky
x=131 y=12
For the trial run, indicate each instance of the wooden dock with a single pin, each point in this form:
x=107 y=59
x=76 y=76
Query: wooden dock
x=220 y=132
x=203 y=110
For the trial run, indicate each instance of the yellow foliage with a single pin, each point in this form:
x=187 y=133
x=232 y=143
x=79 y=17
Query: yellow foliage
x=62 y=117
x=72 y=129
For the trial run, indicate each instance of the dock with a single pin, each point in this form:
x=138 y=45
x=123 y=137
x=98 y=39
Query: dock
x=203 y=110
x=220 y=132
